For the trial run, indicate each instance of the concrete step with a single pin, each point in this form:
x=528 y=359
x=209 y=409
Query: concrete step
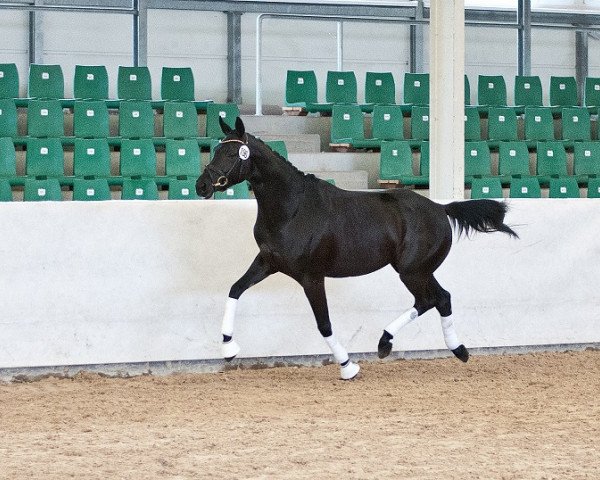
x=305 y=143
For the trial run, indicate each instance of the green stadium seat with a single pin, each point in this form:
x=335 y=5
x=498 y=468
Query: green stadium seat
x=419 y=123
x=91 y=157
x=5 y=191
x=235 y=192
x=525 y=187
x=340 y=88
x=8 y=158
x=576 y=124
x=472 y=124
x=388 y=122
x=46 y=81
x=90 y=119
x=45 y=119
x=8 y=118
x=380 y=89
x=592 y=92
x=37 y=190
x=9 y=80
x=182 y=158
x=90 y=82
x=136 y=119
x=227 y=111
x=182 y=189
x=491 y=90
x=177 y=84
x=347 y=125
x=134 y=83
x=45 y=158
x=467 y=91
x=502 y=124
x=489 y=187
x=300 y=90
x=593 y=190
x=586 y=161
x=539 y=124
x=551 y=160
x=180 y=120
x=564 y=187
x=477 y=160
x=91 y=189
x=278 y=146
x=528 y=91
x=563 y=91
x=513 y=159
x=395 y=160
x=416 y=88
x=138 y=158
x=139 y=189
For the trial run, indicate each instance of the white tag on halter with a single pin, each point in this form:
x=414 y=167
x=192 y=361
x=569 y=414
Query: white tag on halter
x=244 y=152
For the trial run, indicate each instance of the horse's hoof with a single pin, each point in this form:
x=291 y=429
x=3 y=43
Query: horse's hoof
x=385 y=345
x=229 y=350
x=461 y=353
x=349 y=371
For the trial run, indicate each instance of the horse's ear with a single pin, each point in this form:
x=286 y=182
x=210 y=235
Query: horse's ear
x=224 y=127
x=239 y=127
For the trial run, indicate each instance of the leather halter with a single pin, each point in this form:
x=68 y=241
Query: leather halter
x=223 y=178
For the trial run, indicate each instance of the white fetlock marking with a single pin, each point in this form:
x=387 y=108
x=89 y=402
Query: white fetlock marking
x=349 y=371
x=339 y=353
x=229 y=317
x=230 y=349
x=402 y=321
x=450 y=336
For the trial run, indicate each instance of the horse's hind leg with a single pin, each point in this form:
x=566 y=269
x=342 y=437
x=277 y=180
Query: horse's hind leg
x=315 y=292
x=444 y=307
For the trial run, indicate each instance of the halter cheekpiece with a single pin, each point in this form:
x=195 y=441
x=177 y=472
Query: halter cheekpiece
x=243 y=155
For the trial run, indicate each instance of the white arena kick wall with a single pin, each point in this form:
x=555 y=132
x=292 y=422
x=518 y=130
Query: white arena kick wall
x=126 y=282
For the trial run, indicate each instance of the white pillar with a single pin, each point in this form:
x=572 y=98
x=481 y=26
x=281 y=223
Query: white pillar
x=447 y=102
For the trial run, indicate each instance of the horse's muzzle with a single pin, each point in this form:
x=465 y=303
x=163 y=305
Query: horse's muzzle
x=204 y=186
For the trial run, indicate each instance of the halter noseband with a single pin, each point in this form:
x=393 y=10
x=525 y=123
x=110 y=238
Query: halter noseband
x=223 y=178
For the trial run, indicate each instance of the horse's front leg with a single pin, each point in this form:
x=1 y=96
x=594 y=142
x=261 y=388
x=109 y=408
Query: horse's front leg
x=315 y=292
x=258 y=271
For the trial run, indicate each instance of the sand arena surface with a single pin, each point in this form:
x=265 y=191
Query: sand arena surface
x=531 y=416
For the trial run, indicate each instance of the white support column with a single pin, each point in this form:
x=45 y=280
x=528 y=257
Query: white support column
x=447 y=54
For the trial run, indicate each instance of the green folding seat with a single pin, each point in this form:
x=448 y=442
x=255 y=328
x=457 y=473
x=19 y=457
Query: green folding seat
x=235 y=192
x=419 y=123
x=182 y=158
x=477 y=160
x=416 y=88
x=91 y=157
x=138 y=158
x=180 y=120
x=44 y=158
x=424 y=161
x=592 y=92
x=134 y=83
x=8 y=158
x=486 y=187
x=227 y=111
x=8 y=118
x=472 y=124
x=46 y=81
x=91 y=189
x=347 y=124
x=502 y=124
x=396 y=161
x=467 y=91
x=388 y=122
x=300 y=89
x=136 y=119
x=551 y=160
x=341 y=87
x=90 y=82
x=491 y=90
x=139 y=189
x=5 y=191
x=576 y=124
x=182 y=189
x=278 y=146
x=528 y=91
x=563 y=91
x=45 y=119
x=586 y=160
x=177 y=84
x=593 y=190
x=380 y=88
x=9 y=80
x=564 y=187
x=37 y=190
x=525 y=187
x=539 y=124
x=90 y=119
x=513 y=159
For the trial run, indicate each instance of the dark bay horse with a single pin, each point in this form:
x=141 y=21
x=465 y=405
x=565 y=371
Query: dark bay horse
x=309 y=229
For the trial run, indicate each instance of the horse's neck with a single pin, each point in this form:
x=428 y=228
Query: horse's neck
x=276 y=183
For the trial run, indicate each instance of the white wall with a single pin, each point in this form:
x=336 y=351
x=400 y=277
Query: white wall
x=136 y=281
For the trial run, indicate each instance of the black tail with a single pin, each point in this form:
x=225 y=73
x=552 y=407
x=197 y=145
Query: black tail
x=481 y=215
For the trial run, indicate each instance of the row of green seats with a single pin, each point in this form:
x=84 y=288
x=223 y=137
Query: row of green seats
x=348 y=129
x=529 y=187
x=91 y=82
x=396 y=162
x=45 y=118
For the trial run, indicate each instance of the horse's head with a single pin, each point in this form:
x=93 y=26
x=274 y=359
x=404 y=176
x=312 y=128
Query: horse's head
x=231 y=163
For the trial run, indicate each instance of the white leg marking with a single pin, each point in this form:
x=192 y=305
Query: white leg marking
x=450 y=336
x=229 y=317
x=401 y=321
x=348 y=369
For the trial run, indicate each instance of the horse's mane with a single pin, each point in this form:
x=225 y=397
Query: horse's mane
x=278 y=156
